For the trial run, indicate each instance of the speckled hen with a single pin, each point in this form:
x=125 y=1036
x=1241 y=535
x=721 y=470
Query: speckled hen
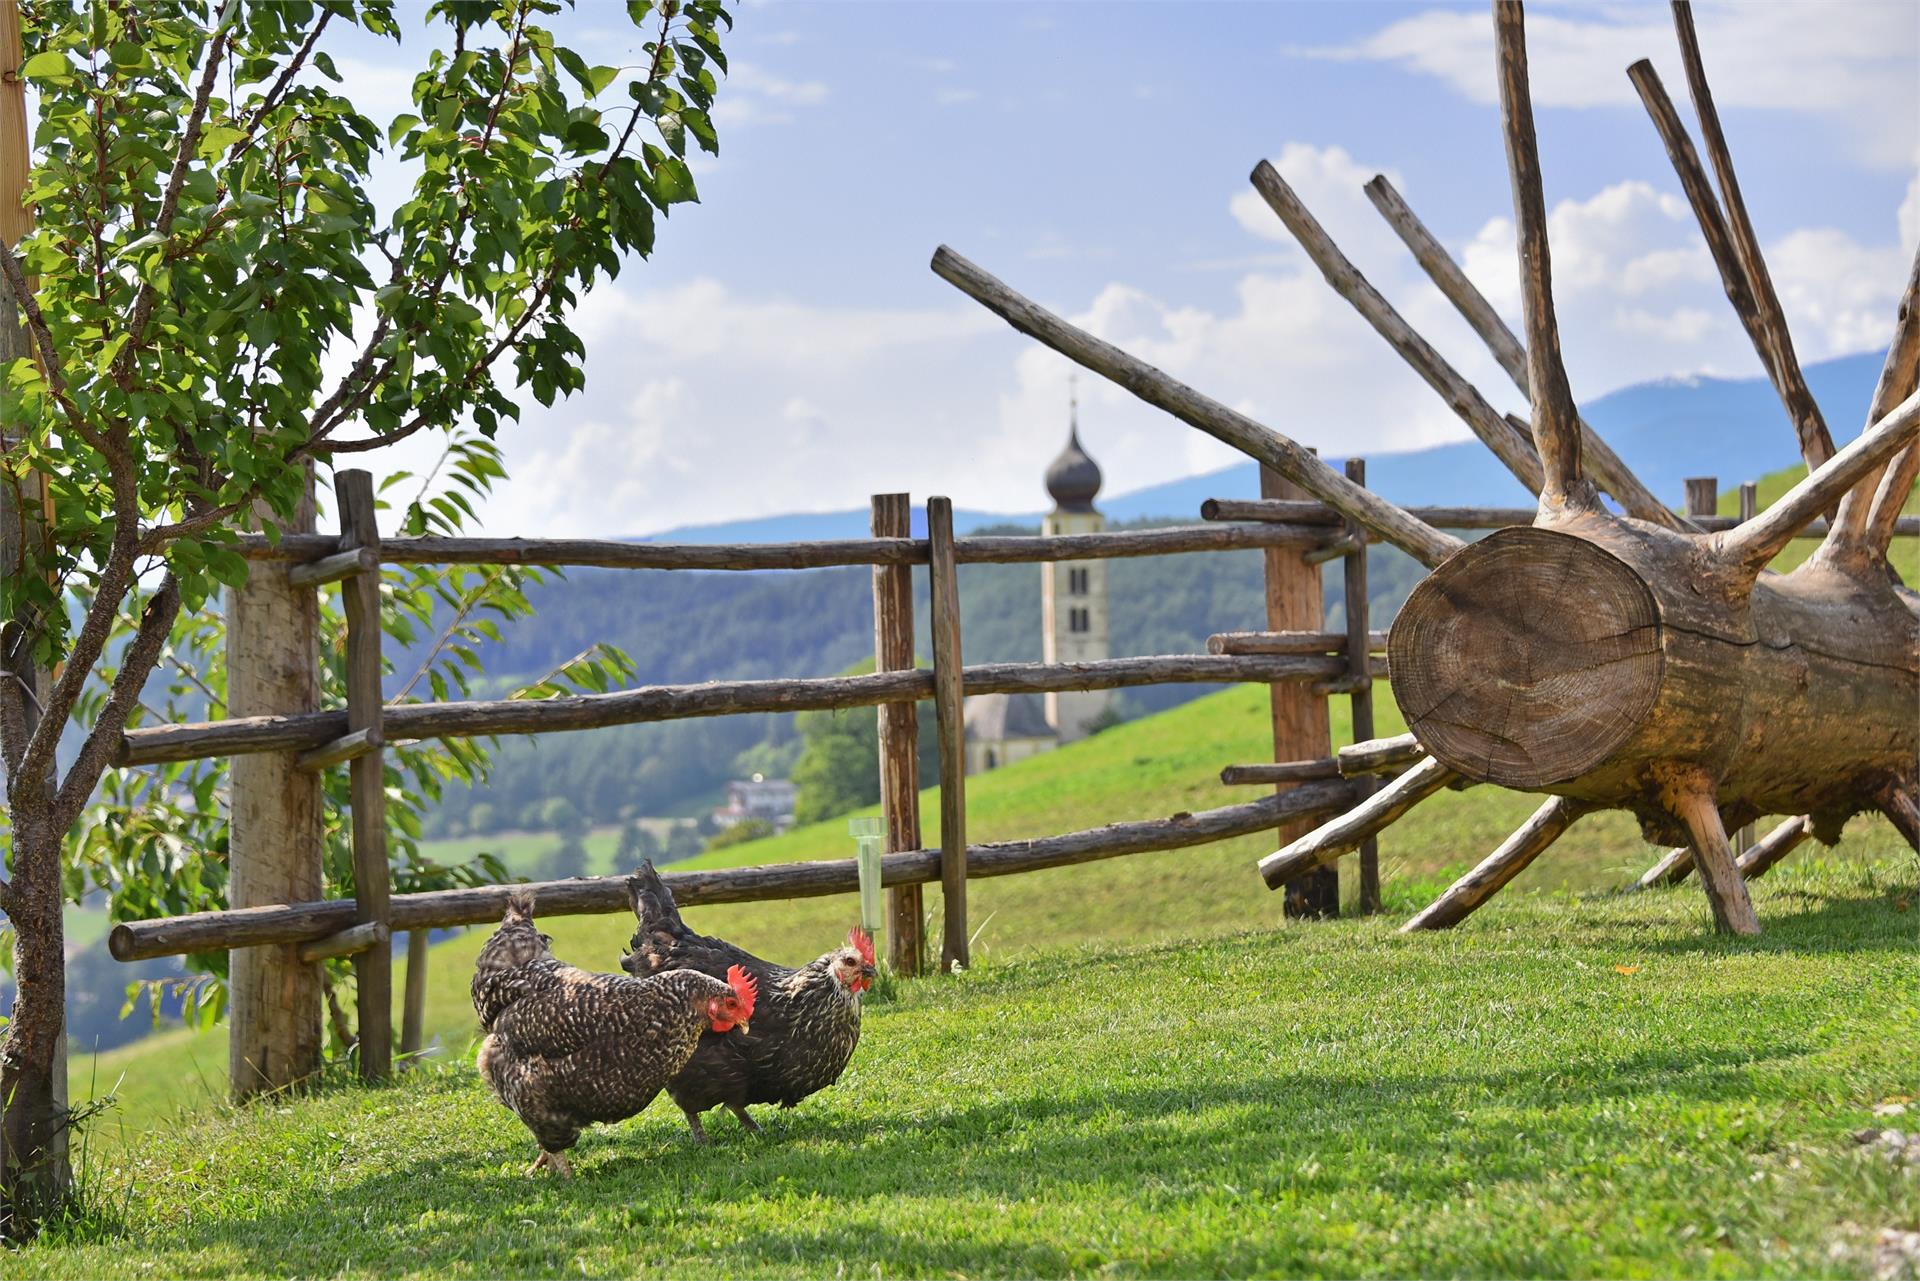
x=565 y=1047
x=805 y=1026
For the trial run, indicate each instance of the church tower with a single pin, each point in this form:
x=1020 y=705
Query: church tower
x=1073 y=594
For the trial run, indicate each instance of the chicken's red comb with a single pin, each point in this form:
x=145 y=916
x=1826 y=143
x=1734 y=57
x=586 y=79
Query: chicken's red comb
x=744 y=986
x=861 y=942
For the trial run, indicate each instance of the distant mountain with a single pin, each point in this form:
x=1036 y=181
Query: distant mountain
x=1732 y=428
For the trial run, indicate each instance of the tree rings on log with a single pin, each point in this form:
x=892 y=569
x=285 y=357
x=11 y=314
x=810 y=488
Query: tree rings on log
x=1527 y=658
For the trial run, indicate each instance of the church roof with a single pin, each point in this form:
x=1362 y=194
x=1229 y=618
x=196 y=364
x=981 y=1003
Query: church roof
x=993 y=718
x=1073 y=478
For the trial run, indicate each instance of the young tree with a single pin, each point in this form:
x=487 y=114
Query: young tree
x=214 y=304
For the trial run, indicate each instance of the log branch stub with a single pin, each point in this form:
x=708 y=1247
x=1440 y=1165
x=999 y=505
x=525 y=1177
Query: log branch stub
x=1511 y=447
x=1347 y=832
x=1529 y=659
x=1425 y=544
x=1513 y=857
x=1783 y=840
x=1688 y=793
x=1556 y=423
x=1609 y=470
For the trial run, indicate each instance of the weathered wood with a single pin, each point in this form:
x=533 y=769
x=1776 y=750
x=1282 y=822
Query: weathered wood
x=1280 y=772
x=1360 y=672
x=1301 y=730
x=1427 y=545
x=413 y=1013
x=980 y=549
x=483 y=717
x=1345 y=833
x=1816 y=443
x=1556 y=424
x=348 y=747
x=1783 y=840
x=294 y=923
x=277 y=832
x=1288 y=642
x=1380 y=755
x=1853 y=524
x=1759 y=540
x=1687 y=792
x=352 y=941
x=1493 y=873
x=331 y=569
x=1609 y=470
x=367 y=784
x=1486 y=422
x=1313 y=513
x=950 y=712
x=892 y=516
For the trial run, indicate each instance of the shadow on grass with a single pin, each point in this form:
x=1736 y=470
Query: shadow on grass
x=1372 y=1145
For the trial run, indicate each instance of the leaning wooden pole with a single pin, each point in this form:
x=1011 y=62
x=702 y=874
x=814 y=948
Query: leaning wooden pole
x=899 y=733
x=372 y=968
x=949 y=709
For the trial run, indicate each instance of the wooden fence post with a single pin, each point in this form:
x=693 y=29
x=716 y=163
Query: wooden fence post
x=949 y=709
x=373 y=968
x=899 y=732
x=276 y=846
x=1360 y=673
x=1300 y=728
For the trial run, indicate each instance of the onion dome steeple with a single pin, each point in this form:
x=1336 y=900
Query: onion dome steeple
x=1073 y=478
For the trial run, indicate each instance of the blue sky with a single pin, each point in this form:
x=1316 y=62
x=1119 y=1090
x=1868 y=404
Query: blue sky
x=787 y=348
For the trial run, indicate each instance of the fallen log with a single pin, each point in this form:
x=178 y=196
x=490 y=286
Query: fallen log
x=600 y=895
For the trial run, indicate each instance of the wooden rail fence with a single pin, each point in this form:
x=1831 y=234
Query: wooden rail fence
x=276 y=849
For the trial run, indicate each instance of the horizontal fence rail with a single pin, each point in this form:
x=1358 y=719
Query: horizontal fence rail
x=482 y=718
x=304 y=922
x=1288 y=513
x=985 y=549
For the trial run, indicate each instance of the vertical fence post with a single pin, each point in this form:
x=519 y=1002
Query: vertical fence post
x=950 y=713
x=1360 y=672
x=899 y=732
x=373 y=968
x=1743 y=840
x=413 y=1017
x=276 y=849
x=1300 y=728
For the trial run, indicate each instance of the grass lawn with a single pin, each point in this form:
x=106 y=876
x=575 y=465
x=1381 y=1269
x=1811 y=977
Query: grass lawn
x=1566 y=1085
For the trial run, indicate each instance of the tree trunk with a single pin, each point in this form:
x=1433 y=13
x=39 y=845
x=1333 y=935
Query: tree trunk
x=35 y=1178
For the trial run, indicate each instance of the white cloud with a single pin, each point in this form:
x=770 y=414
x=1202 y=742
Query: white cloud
x=1851 y=60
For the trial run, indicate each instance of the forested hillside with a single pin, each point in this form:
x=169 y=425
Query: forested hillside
x=687 y=627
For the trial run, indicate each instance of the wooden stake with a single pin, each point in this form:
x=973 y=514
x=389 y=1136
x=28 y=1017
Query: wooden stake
x=1689 y=795
x=373 y=968
x=1816 y=443
x=899 y=733
x=1355 y=591
x=1425 y=544
x=1514 y=856
x=1299 y=712
x=1509 y=446
x=1609 y=470
x=277 y=838
x=1556 y=423
x=949 y=708
x=1344 y=834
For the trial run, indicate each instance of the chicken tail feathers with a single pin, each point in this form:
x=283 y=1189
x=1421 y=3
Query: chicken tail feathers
x=652 y=901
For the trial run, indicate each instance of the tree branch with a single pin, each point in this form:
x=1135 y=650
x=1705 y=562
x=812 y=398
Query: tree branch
x=1816 y=442
x=1609 y=469
x=1556 y=423
x=136 y=664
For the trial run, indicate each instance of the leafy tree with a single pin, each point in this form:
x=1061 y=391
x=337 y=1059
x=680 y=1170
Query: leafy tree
x=206 y=326
x=747 y=829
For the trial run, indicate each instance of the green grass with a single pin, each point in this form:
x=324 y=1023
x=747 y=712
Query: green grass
x=1570 y=1086
x=1145 y=769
